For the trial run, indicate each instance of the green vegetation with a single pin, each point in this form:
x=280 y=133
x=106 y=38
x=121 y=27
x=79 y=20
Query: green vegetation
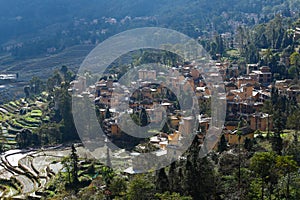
x=33 y=121
x=194 y=18
x=266 y=167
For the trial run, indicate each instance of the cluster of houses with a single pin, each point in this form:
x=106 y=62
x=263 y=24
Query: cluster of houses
x=245 y=96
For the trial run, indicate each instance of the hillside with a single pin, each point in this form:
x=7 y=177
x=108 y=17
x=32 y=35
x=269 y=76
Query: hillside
x=33 y=28
x=154 y=121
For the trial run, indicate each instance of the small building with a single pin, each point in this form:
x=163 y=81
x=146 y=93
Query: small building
x=195 y=73
x=246 y=91
x=231 y=125
x=234 y=138
x=293 y=91
x=156 y=115
x=204 y=124
x=186 y=125
x=147 y=74
x=263 y=75
x=252 y=67
x=261 y=121
x=174 y=138
x=174 y=122
x=244 y=80
x=230 y=86
x=79 y=85
x=297 y=33
x=115 y=130
x=283 y=85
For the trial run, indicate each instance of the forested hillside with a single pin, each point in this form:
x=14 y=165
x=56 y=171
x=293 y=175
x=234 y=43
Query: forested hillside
x=51 y=26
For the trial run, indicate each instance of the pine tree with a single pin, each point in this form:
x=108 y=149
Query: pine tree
x=74 y=158
x=222 y=144
x=248 y=144
x=144 y=118
x=268 y=108
x=162 y=181
x=295 y=61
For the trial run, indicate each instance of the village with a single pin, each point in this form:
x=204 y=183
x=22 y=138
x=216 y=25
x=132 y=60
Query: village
x=245 y=97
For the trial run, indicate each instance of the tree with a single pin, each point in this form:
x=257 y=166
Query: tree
x=293 y=122
x=268 y=108
x=287 y=40
x=67 y=166
x=251 y=53
x=118 y=186
x=263 y=165
x=50 y=134
x=166 y=128
x=222 y=144
x=295 y=61
x=239 y=133
x=162 y=181
x=74 y=159
x=108 y=160
x=286 y=165
x=140 y=188
x=64 y=101
x=173 y=178
x=24 y=138
x=107 y=174
x=277 y=144
x=248 y=144
x=64 y=69
x=36 y=85
x=220 y=44
x=144 y=118
x=27 y=91
x=54 y=81
x=107 y=113
x=202 y=187
x=267 y=56
x=241 y=38
x=70 y=164
x=292 y=72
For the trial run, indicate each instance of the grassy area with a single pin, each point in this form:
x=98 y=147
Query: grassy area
x=233 y=53
x=285 y=132
x=289 y=135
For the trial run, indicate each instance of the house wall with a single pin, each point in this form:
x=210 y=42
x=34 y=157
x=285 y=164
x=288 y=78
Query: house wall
x=115 y=130
x=259 y=123
x=234 y=139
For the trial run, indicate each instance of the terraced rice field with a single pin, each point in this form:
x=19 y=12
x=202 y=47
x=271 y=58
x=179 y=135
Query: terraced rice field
x=24 y=173
x=16 y=116
x=44 y=65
